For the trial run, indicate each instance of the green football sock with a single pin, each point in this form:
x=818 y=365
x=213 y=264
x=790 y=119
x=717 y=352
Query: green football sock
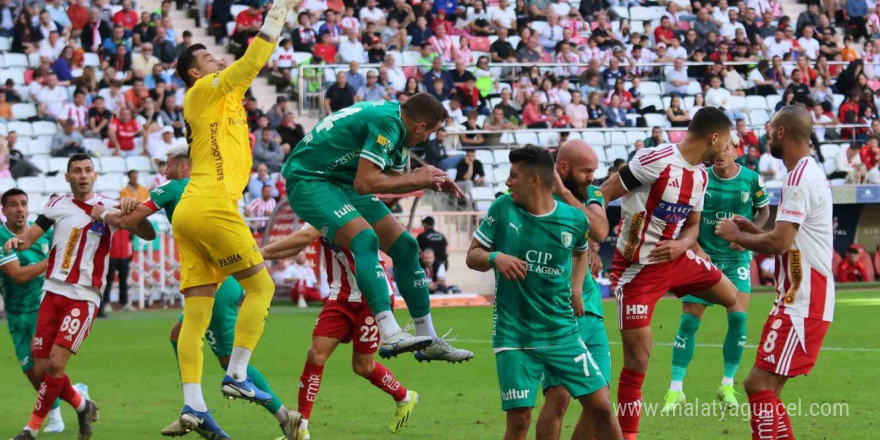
x=734 y=343
x=369 y=273
x=683 y=346
x=410 y=276
x=254 y=374
x=174 y=345
x=56 y=404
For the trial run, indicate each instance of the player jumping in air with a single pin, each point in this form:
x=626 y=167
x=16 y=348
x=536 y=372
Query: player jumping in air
x=733 y=190
x=802 y=241
x=77 y=269
x=21 y=282
x=537 y=246
x=576 y=164
x=224 y=314
x=345 y=317
x=662 y=190
x=213 y=239
x=332 y=176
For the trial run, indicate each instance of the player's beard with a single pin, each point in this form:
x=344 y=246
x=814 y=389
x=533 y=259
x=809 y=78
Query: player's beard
x=775 y=151
x=577 y=189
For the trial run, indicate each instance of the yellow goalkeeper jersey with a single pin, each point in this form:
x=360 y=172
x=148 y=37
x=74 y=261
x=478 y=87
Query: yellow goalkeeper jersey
x=217 y=128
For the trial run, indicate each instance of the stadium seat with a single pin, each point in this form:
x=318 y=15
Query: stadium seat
x=452 y=172
x=540 y=27
x=6 y=184
x=479 y=44
x=830 y=164
x=633 y=136
x=650 y=88
x=758 y=117
x=656 y=120
x=640 y=13
x=485 y=156
x=737 y=103
x=482 y=205
x=22 y=128
x=616 y=137
x=838 y=99
x=526 y=138
x=594 y=138
x=5 y=44
x=772 y=100
x=110 y=182
x=829 y=150
x=600 y=153
x=94 y=145
x=113 y=165
x=21 y=110
x=40 y=145
x=36 y=202
x=301 y=57
x=489 y=178
x=237 y=9
x=507 y=139
x=615 y=152
x=33 y=185
x=621 y=11
x=654 y=100
x=57 y=185
x=601 y=172
x=44 y=128
x=16 y=74
x=756 y=102
x=482 y=193
x=139 y=163
x=514 y=40
x=548 y=140
x=34 y=60
x=676 y=136
x=500 y=188
x=11 y=59
x=58 y=164
x=41 y=162
x=501 y=157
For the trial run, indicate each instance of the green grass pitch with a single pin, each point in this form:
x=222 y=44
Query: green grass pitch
x=131 y=372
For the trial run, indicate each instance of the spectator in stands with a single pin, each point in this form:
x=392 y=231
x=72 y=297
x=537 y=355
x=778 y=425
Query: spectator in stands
x=372 y=14
x=676 y=115
x=5 y=109
x=612 y=73
x=655 y=139
x=133 y=188
x=420 y=32
x=126 y=17
x=442 y=44
x=99 y=118
x=435 y=150
x=372 y=91
x=847 y=165
x=332 y=27
x=46 y=25
x=751 y=159
x=122 y=133
x=63 y=65
x=119 y=263
x=797 y=87
x=436 y=72
x=705 y=24
x=67 y=142
x=164 y=48
x=51 y=98
x=117 y=38
x=51 y=47
x=810 y=17
x=614 y=115
x=77 y=112
x=595 y=111
x=267 y=151
x=291 y=132
x=262 y=206
x=577 y=111
x=533 y=115
x=259 y=181
x=771 y=168
x=144 y=63
x=747 y=138
x=143 y=31
x=351 y=49
x=435 y=272
x=856 y=13
x=453 y=106
x=304 y=36
x=761 y=81
x=511 y=112
x=24 y=38
x=113 y=97
x=340 y=95
x=158 y=147
x=247 y=24
x=677 y=80
x=471 y=140
x=851 y=269
x=531 y=52
x=468 y=173
x=77 y=13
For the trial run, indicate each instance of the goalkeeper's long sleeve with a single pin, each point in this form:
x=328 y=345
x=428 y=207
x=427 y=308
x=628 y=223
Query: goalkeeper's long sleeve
x=240 y=74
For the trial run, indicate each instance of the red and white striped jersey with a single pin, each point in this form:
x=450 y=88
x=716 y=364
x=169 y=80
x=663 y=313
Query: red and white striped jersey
x=77 y=264
x=339 y=264
x=663 y=189
x=804 y=279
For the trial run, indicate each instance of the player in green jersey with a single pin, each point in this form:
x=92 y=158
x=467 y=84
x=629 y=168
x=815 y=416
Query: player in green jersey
x=733 y=190
x=576 y=164
x=537 y=247
x=221 y=331
x=21 y=283
x=332 y=176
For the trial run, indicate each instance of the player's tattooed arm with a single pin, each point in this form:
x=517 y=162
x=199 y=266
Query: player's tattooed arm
x=579 y=264
x=291 y=245
x=22 y=274
x=775 y=242
x=508 y=266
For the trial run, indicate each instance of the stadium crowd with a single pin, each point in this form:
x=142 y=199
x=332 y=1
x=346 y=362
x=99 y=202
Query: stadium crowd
x=98 y=77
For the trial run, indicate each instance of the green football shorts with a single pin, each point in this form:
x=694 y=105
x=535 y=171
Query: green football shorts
x=221 y=331
x=22 y=327
x=328 y=206
x=592 y=331
x=520 y=371
x=739 y=273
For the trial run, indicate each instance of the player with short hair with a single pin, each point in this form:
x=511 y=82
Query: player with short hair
x=344 y=318
x=733 y=190
x=213 y=240
x=21 y=278
x=224 y=313
x=802 y=240
x=77 y=269
x=576 y=164
x=662 y=198
x=332 y=177
x=537 y=246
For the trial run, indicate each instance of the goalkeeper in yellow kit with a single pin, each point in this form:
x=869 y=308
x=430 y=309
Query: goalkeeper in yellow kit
x=213 y=240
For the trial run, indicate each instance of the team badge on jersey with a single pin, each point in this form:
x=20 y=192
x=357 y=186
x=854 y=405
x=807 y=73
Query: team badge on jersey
x=744 y=196
x=567 y=239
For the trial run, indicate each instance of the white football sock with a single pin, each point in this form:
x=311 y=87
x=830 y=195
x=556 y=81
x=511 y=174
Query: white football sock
x=727 y=381
x=425 y=326
x=404 y=401
x=676 y=385
x=387 y=324
x=238 y=363
x=192 y=396
x=304 y=423
x=281 y=414
x=55 y=413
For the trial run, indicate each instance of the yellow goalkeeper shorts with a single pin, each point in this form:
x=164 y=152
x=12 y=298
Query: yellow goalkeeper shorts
x=213 y=241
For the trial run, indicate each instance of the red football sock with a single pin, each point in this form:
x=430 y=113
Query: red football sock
x=383 y=379
x=764 y=417
x=71 y=395
x=783 y=427
x=309 y=384
x=49 y=391
x=629 y=400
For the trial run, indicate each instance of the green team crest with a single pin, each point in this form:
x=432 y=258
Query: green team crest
x=567 y=238
x=745 y=196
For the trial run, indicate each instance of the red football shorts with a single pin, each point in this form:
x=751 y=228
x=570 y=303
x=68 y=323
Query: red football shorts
x=638 y=287
x=790 y=345
x=62 y=321
x=348 y=322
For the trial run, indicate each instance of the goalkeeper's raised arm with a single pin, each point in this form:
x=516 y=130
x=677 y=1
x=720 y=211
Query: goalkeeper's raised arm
x=196 y=62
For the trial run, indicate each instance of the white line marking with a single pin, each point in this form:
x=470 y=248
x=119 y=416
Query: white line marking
x=669 y=344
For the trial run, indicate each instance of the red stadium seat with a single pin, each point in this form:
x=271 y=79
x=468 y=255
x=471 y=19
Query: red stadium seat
x=835 y=261
x=684 y=25
x=676 y=136
x=480 y=44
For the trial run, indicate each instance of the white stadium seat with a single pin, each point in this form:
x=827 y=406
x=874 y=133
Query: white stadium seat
x=615 y=152
x=22 y=110
x=6 y=184
x=15 y=60
x=501 y=157
x=616 y=137
x=656 y=120
x=113 y=165
x=36 y=202
x=772 y=100
x=22 y=128
x=139 y=163
x=57 y=185
x=485 y=156
x=482 y=193
x=110 y=182
x=33 y=185
x=41 y=145
x=594 y=138
x=548 y=140
x=829 y=150
x=650 y=88
x=633 y=136
x=44 y=128
x=41 y=162
x=501 y=173
x=58 y=164
x=756 y=102
x=94 y=145
x=526 y=138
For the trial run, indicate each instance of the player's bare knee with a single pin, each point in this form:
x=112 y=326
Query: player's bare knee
x=694 y=309
x=363 y=366
x=757 y=381
x=56 y=366
x=316 y=356
x=556 y=400
x=519 y=419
